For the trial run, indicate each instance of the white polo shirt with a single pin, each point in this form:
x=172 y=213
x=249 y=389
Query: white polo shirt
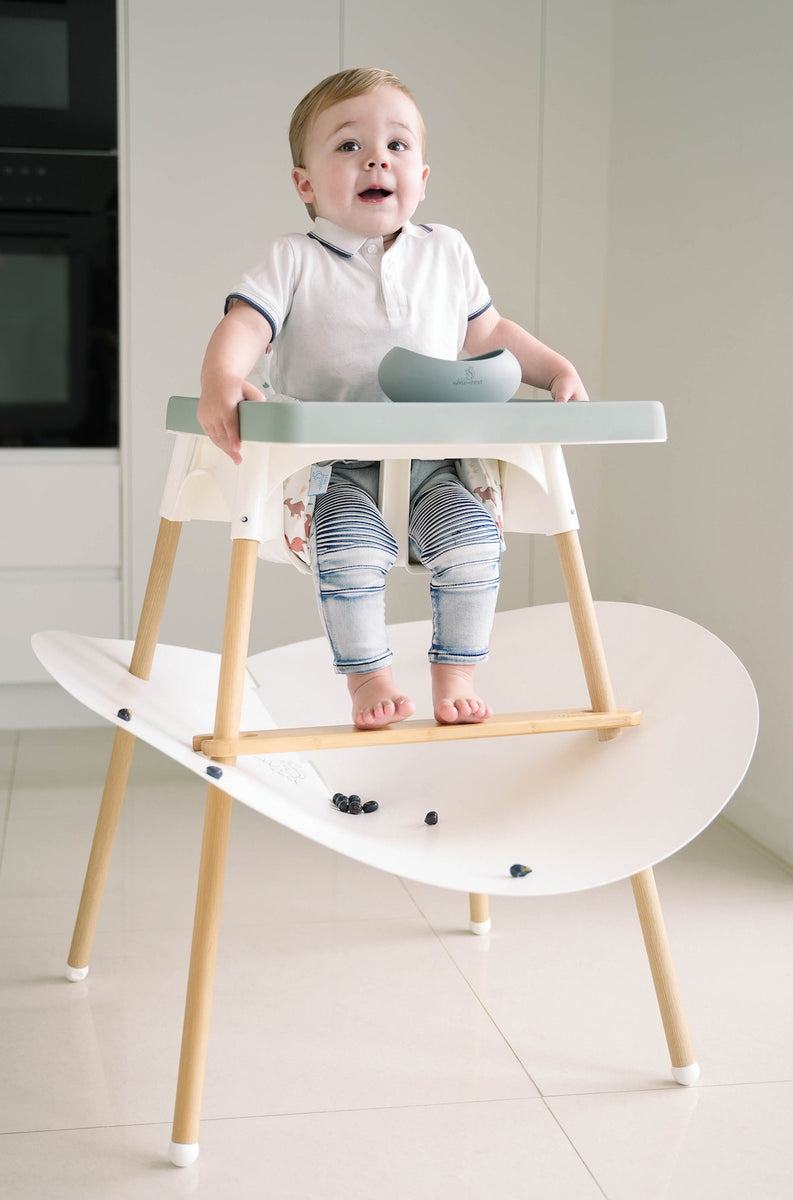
x=337 y=303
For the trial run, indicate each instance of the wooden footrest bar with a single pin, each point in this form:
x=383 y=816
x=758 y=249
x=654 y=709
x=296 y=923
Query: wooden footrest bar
x=336 y=737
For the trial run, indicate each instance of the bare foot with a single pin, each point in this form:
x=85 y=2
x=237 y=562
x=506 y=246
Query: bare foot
x=454 y=698
x=376 y=700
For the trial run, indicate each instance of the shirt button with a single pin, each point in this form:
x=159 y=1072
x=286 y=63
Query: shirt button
x=371 y=248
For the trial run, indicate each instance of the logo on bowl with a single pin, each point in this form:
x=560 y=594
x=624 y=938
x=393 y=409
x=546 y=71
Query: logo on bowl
x=468 y=376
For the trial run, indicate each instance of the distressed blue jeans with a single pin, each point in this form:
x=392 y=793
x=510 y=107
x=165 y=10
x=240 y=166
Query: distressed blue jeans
x=352 y=551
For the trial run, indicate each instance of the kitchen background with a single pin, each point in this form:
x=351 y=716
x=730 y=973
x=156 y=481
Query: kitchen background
x=623 y=172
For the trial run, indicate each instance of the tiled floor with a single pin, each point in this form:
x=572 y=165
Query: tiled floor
x=365 y=1046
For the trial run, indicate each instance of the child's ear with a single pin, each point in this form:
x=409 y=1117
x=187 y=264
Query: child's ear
x=424 y=175
x=303 y=185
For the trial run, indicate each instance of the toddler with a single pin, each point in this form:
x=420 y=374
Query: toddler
x=333 y=301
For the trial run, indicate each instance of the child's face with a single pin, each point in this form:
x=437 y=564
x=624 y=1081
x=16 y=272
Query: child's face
x=364 y=167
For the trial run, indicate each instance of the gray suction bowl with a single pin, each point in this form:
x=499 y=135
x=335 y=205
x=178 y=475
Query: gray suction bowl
x=410 y=378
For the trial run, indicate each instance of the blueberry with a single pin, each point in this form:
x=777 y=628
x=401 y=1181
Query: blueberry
x=215 y=772
x=431 y=818
x=124 y=714
x=355 y=807
x=337 y=797
x=518 y=869
x=343 y=804
x=371 y=806
x=354 y=799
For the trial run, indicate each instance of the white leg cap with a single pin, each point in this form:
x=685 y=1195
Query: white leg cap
x=686 y=1076
x=480 y=927
x=183 y=1154
x=75 y=974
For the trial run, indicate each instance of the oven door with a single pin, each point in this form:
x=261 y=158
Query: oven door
x=45 y=329
x=58 y=74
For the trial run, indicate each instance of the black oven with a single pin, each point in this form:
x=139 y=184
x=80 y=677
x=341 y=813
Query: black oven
x=58 y=74
x=58 y=224
x=58 y=300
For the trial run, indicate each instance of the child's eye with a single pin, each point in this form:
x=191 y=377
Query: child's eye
x=349 y=147
x=397 y=144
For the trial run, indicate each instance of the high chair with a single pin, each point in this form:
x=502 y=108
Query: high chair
x=581 y=810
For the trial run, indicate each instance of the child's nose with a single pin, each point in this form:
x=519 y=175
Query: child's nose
x=383 y=163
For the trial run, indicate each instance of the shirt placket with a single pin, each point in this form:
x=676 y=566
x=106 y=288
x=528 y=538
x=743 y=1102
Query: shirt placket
x=386 y=267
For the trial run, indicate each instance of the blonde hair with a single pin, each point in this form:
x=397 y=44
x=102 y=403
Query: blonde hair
x=344 y=85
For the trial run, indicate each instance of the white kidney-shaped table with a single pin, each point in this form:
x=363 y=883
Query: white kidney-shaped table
x=619 y=731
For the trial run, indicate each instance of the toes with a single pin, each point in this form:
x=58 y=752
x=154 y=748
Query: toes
x=452 y=712
x=368 y=718
x=384 y=712
x=372 y=718
x=447 y=712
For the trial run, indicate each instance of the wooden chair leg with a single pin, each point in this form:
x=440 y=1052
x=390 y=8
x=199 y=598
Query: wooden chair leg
x=99 y=858
x=154 y=600
x=479 y=906
x=209 y=897
x=590 y=644
x=685 y=1069
x=121 y=756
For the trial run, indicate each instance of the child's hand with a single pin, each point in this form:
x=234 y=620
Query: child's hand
x=217 y=412
x=538 y=363
x=566 y=386
x=238 y=342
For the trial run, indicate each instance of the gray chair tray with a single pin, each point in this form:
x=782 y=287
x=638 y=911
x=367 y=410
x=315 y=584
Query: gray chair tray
x=520 y=422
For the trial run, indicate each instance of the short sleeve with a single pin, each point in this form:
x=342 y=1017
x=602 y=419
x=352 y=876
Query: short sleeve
x=269 y=286
x=477 y=295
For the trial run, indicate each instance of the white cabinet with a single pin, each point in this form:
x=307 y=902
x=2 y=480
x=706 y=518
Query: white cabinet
x=60 y=556
x=83 y=605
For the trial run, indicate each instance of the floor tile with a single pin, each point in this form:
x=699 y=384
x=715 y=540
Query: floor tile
x=567 y=979
x=272 y=873
x=62 y=772
x=729 y=911
x=8 y=748
x=352 y=1015
x=364 y=1043
x=8 y=751
x=452 y=1152
x=55 y=756
x=308 y=1017
x=730 y=1142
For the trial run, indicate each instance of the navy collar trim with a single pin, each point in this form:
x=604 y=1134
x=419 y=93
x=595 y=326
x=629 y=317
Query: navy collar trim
x=329 y=246
x=345 y=244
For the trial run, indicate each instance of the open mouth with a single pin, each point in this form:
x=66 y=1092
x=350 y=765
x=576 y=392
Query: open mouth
x=374 y=194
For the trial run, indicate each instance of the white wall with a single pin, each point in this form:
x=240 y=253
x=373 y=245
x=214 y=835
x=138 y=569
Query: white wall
x=572 y=234
x=699 y=315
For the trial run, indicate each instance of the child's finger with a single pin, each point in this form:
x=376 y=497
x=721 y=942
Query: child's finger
x=230 y=441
